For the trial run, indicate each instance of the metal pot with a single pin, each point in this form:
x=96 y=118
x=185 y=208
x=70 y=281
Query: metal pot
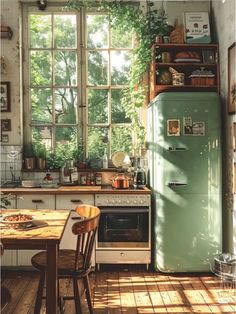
x=120 y=181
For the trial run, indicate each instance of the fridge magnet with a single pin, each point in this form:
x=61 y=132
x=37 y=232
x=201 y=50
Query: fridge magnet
x=5 y=124
x=5 y=96
x=173 y=127
x=197 y=27
x=199 y=128
x=4 y=138
x=188 y=126
x=232 y=79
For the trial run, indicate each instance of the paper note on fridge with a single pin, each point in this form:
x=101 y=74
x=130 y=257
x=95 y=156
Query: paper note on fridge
x=199 y=128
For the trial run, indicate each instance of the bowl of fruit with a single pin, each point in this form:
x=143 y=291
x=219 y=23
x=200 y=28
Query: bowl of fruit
x=17 y=220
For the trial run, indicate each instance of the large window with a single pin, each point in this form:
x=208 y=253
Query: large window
x=75 y=72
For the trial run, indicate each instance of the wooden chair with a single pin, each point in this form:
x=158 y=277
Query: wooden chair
x=5 y=293
x=74 y=264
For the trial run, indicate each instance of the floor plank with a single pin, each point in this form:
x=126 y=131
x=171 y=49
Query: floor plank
x=130 y=290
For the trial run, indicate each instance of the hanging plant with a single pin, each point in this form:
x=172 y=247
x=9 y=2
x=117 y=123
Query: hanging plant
x=146 y=25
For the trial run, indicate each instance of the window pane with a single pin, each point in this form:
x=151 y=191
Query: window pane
x=118 y=114
x=42 y=135
x=120 y=65
x=97 y=68
x=65 y=105
x=97 y=31
x=121 y=38
x=121 y=139
x=65 y=31
x=41 y=67
x=66 y=141
x=96 y=141
x=97 y=106
x=65 y=68
x=41 y=101
x=40 y=31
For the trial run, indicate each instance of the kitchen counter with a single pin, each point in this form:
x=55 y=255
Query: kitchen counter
x=75 y=190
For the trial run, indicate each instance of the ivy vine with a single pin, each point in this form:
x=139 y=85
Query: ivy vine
x=146 y=25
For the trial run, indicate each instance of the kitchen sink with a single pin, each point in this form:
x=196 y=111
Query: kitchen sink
x=10 y=184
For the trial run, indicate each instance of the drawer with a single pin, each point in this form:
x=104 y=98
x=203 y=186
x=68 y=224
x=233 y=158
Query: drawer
x=72 y=201
x=123 y=257
x=36 y=201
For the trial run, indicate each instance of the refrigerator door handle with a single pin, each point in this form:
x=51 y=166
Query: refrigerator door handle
x=177 y=149
x=176 y=184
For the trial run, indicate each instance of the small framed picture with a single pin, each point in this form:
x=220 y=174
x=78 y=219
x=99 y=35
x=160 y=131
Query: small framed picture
x=5 y=96
x=4 y=138
x=208 y=56
x=173 y=127
x=188 y=126
x=5 y=124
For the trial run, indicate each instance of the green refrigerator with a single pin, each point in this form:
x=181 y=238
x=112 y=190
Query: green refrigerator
x=184 y=151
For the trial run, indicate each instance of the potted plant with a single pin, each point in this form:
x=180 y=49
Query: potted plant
x=29 y=156
x=146 y=24
x=79 y=155
x=41 y=153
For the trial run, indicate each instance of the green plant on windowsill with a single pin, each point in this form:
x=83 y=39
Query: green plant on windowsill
x=146 y=25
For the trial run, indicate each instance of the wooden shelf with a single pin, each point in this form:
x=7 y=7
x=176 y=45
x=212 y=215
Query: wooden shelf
x=159 y=70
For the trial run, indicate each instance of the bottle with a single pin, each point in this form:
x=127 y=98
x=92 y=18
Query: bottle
x=139 y=175
x=65 y=174
x=105 y=160
x=73 y=173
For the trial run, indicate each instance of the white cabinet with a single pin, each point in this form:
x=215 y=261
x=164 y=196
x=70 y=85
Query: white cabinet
x=9 y=258
x=35 y=201
x=70 y=202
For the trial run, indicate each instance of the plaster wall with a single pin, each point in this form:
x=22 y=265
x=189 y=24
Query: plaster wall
x=224 y=16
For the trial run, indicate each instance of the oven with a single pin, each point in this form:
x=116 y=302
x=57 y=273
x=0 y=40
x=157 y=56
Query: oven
x=124 y=229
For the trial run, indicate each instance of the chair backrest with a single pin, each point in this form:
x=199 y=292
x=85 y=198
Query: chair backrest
x=85 y=229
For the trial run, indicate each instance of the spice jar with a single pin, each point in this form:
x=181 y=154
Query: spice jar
x=83 y=178
x=98 y=179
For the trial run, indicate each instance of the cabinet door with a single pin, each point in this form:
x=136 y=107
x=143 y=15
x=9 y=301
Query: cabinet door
x=70 y=202
x=33 y=202
x=9 y=258
x=36 y=201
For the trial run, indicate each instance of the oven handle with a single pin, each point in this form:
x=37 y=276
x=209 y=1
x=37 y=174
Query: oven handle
x=123 y=210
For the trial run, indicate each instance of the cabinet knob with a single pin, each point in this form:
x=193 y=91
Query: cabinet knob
x=37 y=201
x=76 y=201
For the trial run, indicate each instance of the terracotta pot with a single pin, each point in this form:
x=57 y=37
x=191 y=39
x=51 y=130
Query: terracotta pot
x=29 y=163
x=120 y=181
x=41 y=163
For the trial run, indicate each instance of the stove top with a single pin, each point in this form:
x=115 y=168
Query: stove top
x=131 y=188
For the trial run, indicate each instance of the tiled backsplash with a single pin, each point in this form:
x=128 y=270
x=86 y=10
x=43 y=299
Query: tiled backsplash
x=11 y=162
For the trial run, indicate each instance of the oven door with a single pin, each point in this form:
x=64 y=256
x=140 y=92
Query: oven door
x=123 y=227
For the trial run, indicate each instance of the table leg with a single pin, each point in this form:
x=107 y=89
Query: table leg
x=51 y=279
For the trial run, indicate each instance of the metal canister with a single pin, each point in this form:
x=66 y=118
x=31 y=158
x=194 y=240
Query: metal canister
x=98 y=178
x=83 y=178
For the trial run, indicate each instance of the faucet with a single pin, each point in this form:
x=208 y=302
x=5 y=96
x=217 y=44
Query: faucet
x=13 y=178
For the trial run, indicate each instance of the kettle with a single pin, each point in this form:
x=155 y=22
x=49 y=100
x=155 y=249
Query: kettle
x=120 y=181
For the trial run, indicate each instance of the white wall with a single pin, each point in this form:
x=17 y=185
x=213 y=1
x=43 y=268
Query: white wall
x=10 y=50
x=224 y=13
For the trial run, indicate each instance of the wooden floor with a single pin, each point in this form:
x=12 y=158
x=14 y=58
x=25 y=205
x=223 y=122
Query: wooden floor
x=131 y=290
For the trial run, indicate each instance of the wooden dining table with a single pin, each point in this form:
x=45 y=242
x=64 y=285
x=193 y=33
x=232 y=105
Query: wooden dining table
x=45 y=233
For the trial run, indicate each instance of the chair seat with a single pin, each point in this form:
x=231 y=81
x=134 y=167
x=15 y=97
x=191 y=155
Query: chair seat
x=66 y=261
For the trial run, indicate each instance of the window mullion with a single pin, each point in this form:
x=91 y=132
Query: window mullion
x=53 y=87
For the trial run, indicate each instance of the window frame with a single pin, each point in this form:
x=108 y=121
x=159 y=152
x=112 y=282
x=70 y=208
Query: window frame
x=82 y=87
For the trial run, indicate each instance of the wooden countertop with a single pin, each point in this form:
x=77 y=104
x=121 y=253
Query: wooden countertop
x=74 y=190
